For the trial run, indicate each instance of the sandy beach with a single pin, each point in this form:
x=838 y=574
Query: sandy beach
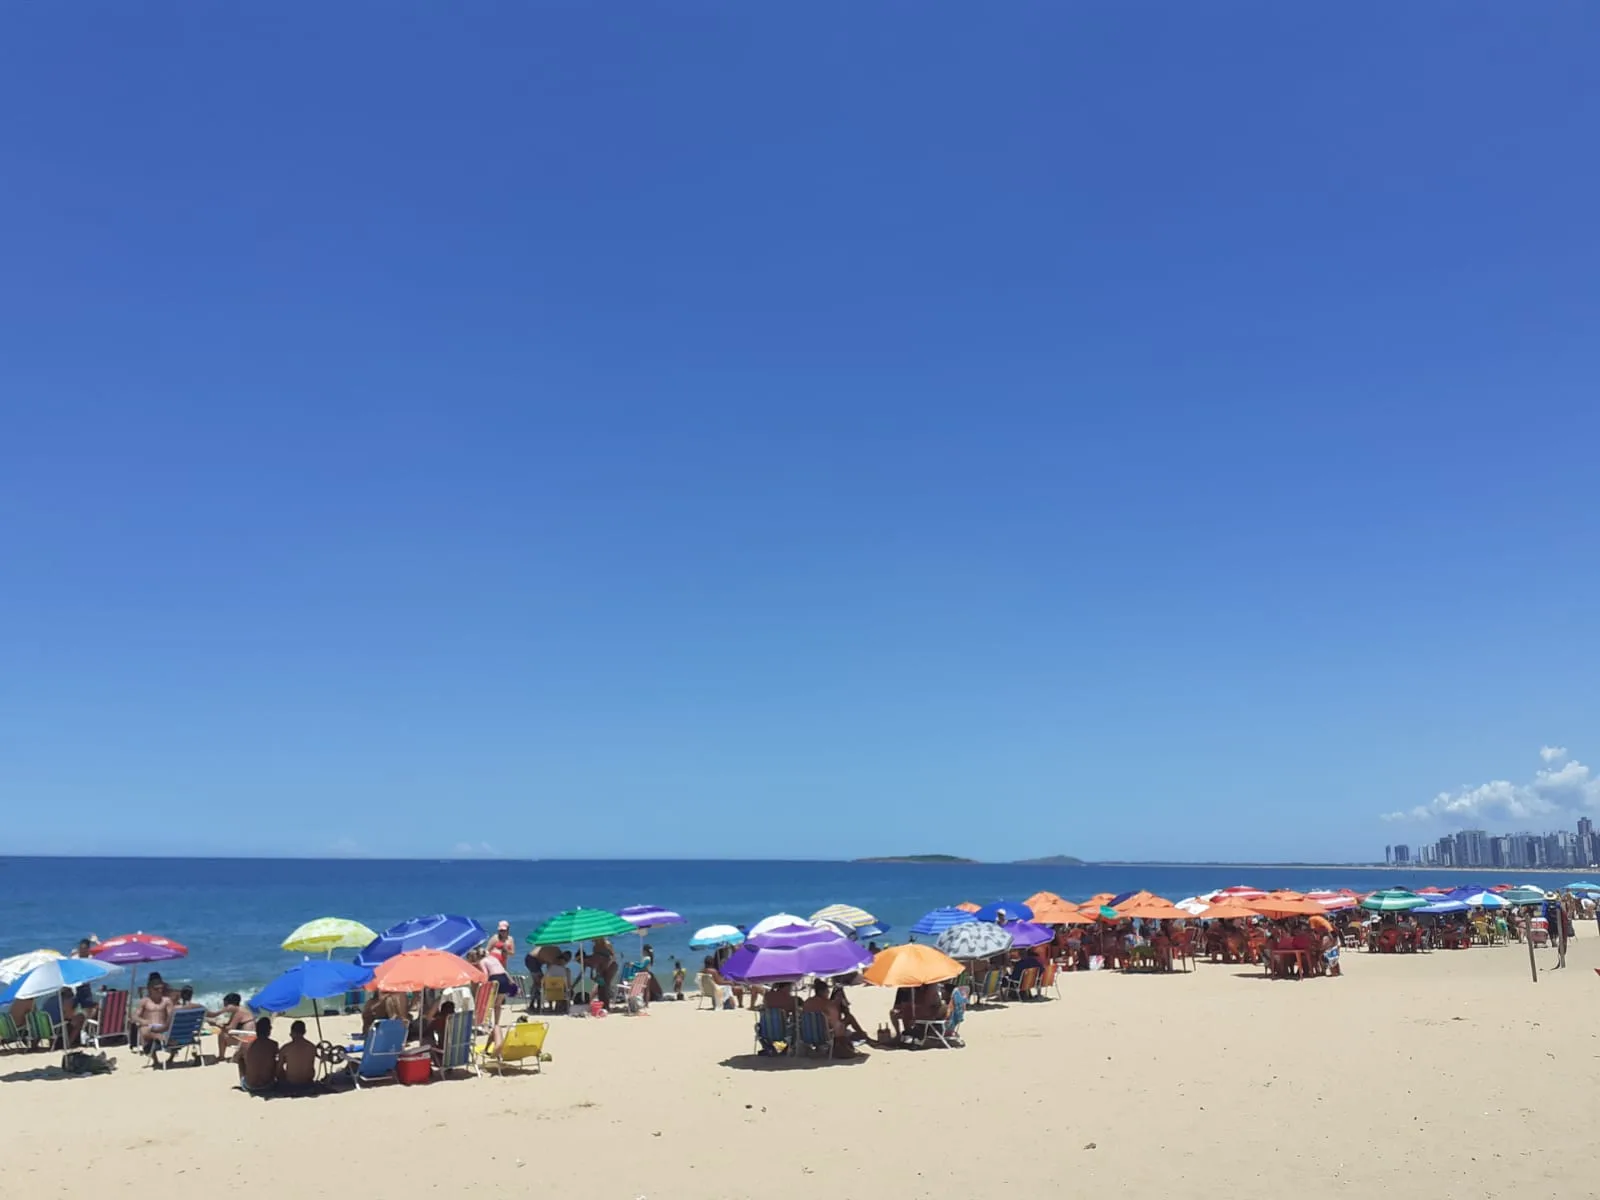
x=1442 y=1075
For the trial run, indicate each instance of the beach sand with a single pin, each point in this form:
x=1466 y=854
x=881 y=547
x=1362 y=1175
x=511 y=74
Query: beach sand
x=1444 y=1075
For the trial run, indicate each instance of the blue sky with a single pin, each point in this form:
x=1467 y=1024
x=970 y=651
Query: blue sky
x=731 y=429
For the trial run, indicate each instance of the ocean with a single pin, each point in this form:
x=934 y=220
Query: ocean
x=234 y=913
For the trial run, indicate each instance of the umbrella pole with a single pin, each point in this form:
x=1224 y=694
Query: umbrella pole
x=1532 y=965
x=317 y=1015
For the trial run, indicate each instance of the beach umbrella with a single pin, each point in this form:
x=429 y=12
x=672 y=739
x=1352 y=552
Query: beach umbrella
x=1440 y=906
x=1480 y=899
x=18 y=965
x=649 y=916
x=911 y=966
x=976 y=939
x=1227 y=910
x=1050 y=909
x=1192 y=905
x=133 y=949
x=1242 y=892
x=1025 y=934
x=845 y=914
x=420 y=970
x=327 y=934
x=579 y=925
x=1014 y=910
x=794 y=953
x=441 y=931
x=1525 y=894
x=51 y=976
x=776 y=921
x=716 y=935
x=1098 y=900
x=1583 y=885
x=313 y=980
x=1152 y=909
x=967 y=906
x=1430 y=891
x=1074 y=916
x=1286 y=906
x=1393 y=900
x=940 y=919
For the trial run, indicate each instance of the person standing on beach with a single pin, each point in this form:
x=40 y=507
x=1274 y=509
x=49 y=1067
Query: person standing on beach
x=502 y=945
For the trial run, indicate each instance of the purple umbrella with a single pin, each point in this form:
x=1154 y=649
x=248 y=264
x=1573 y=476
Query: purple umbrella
x=128 y=954
x=794 y=952
x=648 y=916
x=1025 y=934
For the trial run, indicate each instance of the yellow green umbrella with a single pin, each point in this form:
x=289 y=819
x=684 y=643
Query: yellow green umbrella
x=329 y=934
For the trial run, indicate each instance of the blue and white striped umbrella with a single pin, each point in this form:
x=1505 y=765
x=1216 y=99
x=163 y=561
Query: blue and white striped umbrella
x=49 y=978
x=940 y=919
x=1480 y=899
x=453 y=935
x=715 y=935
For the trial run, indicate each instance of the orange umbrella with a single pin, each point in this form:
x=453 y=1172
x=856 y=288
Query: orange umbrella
x=1322 y=923
x=1285 y=894
x=418 y=969
x=1142 y=898
x=1152 y=909
x=911 y=966
x=1227 y=910
x=1052 y=910
x=1269 y=906
x=967 y=906
x=1098 y=899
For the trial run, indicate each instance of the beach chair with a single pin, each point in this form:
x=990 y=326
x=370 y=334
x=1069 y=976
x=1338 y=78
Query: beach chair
x=945 y=1031
x=380 y=1054
x=112 y=1021
x=1019 y=988
x=814 y=1036
x=710 y=990
x=38 y=1029
x=456 y=1054
x=635 y=998
x=990 y=988
x=1049 y=981
x=772 y=1029
x=10 y=1035
x=520 y=1044
x=183 y=1033
x=482 y=1004
x=553 y=988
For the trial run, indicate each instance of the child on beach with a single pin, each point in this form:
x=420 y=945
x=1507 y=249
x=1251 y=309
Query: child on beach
x=677 y=979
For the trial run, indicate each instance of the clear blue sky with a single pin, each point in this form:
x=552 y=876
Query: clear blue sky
x=732 y=428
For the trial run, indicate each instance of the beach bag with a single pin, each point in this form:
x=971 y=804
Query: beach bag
x=1096 y=962
x=81 y=1062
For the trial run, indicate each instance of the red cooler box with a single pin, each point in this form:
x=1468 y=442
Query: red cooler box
x=416 y=1066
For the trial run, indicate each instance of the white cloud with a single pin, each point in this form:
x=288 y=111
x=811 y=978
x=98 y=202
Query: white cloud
x=1570 y=788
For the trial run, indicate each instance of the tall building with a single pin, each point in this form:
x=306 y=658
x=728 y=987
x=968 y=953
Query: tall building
x=1388 y=856
x=1402 y=855
x=1500 y=851
x=1445 y=852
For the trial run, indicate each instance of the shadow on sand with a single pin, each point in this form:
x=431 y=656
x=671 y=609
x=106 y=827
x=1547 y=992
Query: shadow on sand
x=788 y=1062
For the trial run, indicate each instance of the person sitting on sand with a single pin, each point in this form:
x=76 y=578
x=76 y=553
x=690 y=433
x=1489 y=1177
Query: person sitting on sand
x=822 y=1001
x=258 y=1064
x=230 y=1021
x=154 y=1013
x=297 y=1058
x=1027 y=961
x=841 y=1002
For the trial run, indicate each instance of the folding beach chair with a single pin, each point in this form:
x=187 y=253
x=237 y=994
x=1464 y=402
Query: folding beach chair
x=482 y=1004
x=112 y=1021
x=1048 y=980
x=520 y=1044
x=555 y=993
x=772 y=1029
x=635 y=998
x=814 y=1035
x=380 y=1054
x=710 y=990
x=38 y=1029
x=183 y=1033
x=456 y=1053
x=1018 y=989
x=10 y=1035
x=944 y=1030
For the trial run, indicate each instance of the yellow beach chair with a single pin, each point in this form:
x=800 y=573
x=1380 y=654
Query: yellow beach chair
x=519 y=1044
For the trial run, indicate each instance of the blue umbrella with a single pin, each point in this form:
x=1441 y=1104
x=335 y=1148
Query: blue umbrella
x=453 y=935
x=1443 y=906
x=936 y=922
x=49 y=978
x=1583 y=885
x=1015 y=910
x=313 y=980
x=1476 y=899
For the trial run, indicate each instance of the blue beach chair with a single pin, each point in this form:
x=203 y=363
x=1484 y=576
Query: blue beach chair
x=814 y=1034
x=380 y=1054
x=772 y=1027
x=188 y=1023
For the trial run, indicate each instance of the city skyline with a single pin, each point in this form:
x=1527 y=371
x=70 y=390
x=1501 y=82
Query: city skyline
x=1479 y=848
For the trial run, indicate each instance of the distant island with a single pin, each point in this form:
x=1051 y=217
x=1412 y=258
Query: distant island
x=917 y=858
x=1054 y=860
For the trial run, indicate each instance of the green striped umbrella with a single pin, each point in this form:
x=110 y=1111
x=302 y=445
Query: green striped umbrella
x=579 y=925
x=1393 y=900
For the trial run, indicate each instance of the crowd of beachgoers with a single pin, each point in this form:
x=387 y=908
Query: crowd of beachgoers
x=442 y=994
